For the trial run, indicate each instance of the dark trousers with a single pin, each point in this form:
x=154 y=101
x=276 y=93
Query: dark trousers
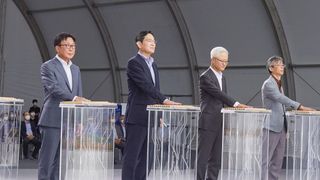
x=36 y=143
x=49 y=156
x=209 y=154
x=135 y=153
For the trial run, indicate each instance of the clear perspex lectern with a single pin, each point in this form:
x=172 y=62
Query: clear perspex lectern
x=303 y=145
x=87 y=143
x=172 y=142
x=10 y=118
x=242 y=139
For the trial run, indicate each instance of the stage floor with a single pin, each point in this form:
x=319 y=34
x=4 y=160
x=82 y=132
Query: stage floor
x=28 y=171
x=31 y=174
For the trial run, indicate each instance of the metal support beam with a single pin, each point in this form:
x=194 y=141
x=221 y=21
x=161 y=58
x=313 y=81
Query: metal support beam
x=110 y=49
x=35 y=29
x=3 y=4
x=282 y=39
x=188 y=45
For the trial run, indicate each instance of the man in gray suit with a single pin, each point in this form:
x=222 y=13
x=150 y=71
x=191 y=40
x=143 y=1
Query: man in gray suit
x=274 y=99
x=61 y=81
x=213 y=96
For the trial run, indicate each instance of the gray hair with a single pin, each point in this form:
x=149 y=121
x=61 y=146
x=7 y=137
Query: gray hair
x=216 y=51
x=271 y=61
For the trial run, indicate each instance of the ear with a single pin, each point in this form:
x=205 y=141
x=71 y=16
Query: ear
x=56 y=48
x=270 y=68
x=139 y=44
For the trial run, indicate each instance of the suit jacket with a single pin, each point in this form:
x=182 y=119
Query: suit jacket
x=142 y=91
x=33 y=129
x=56 y=89
x=212 y=100
x=275 y=100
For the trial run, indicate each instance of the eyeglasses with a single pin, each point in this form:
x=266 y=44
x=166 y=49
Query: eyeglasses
x=150 y=41
x=281 y=65
x=68 y=46
x=223 y=61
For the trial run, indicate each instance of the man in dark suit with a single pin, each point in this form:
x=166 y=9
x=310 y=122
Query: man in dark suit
x=213 y=96
x=144 y=89
x=61 y=81
x=29 y=135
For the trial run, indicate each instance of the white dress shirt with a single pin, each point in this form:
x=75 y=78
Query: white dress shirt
x=219 y=77
x=149 y=61
x=66 y=66
x=28 y=128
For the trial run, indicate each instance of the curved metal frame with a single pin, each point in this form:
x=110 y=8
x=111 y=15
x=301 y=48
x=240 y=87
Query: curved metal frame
x=21 y=5
x=2 y=29
x=106 y=38
x=188 y=45
x=282 y=39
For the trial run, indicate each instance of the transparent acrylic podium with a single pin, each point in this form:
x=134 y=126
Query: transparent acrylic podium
x=172 y=142
x=242 y=138
x=87 y=143
x=303 y=145
x=10 y=118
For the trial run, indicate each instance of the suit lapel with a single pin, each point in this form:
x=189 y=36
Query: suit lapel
x=213 y=77
x=224 y=84
x=156 y=75
x=145 y=66
x=74 y=77
x=62 y=72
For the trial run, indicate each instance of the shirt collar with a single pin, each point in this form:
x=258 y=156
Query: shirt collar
x=147 y=59
x=219 y=74
x=63 y=62
x=277 y=81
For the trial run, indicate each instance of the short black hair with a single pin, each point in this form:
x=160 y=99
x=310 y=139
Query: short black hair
x=140 y=37
x=271 y=60
x=62 y=36
x=34 y=100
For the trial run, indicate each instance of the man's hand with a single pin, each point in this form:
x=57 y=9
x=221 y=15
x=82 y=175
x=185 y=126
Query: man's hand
x=30 y=137
x=243 y=106
x=303 y=108
x=81 y=99
x=168 y=102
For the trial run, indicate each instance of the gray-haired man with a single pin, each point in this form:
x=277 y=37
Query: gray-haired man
x=274 y=99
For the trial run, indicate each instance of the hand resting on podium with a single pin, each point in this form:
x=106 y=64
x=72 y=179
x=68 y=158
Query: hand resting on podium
x=169 y=102
x=243 y=106
x=81 y=99
x=304 y=108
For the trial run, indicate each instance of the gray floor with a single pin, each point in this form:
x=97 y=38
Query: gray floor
x=28 y=171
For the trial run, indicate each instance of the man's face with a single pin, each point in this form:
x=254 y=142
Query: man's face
x=277 y=68
x=66 y=49
x=148 y=45
x=220 y=62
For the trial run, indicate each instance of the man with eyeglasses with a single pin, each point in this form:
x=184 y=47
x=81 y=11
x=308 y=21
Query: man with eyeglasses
x=273 y=98
x=61 y=80
x=144 y=89
x=213 y=96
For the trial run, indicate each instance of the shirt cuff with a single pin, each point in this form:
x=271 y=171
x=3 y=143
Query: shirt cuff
x=165 y=101
x=74 y=98
x=236 y=104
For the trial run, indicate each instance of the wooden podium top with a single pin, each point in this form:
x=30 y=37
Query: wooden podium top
x=87 y=104
x=295 y=112
x=10 y=100
x=245 y=110
x=173 y=107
